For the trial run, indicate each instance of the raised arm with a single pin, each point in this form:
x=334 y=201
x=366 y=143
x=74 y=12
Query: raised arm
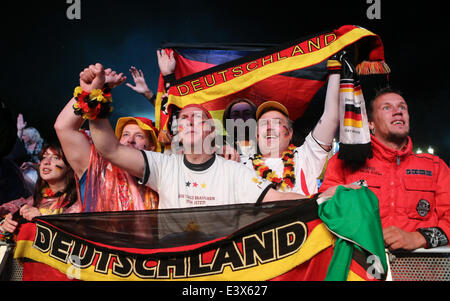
x=329 y=121
x=106 y=143
x=67 y=126
x=73 y=142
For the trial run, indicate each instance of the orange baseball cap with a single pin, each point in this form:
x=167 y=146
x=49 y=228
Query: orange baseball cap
x=271 y=106
x=144 y=123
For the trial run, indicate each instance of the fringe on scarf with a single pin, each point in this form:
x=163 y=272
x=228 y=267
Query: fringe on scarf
x=372 y=67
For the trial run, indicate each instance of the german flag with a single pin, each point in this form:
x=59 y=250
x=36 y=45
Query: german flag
x=291 y=73
x=284 y=240
x=352 y=116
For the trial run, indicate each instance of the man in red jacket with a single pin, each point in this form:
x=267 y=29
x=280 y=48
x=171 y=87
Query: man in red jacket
x=413 y=189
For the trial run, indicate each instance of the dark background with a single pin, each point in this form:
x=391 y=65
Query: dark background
x=43 y=51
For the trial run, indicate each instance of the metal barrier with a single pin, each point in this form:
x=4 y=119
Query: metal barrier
x=10 y=268
x=420 y=265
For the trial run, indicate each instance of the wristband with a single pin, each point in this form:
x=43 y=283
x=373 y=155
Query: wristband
x=434 y=236
x=92 y=105
x=152 y=99
x=169 y=79
x=334 y=66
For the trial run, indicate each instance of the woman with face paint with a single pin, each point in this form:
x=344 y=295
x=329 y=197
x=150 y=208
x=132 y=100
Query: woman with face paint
x=55 y=191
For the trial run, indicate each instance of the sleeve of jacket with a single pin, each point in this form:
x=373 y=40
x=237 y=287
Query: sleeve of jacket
x=334 y=174
x=443 y=197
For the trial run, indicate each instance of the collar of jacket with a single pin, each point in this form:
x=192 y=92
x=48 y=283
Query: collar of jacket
x=387 y=153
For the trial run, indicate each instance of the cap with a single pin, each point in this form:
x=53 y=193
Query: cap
x=144 y=123
x=271 y=106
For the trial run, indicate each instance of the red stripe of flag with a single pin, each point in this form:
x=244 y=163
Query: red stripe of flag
x=352 y=115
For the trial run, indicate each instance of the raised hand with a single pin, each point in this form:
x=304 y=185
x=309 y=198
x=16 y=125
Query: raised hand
x=113 y=79
x=21 y=124
x=166 y=62
x=140 y=84
x=92 y=77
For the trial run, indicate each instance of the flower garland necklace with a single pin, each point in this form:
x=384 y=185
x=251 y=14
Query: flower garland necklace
x=47 y=192
x=265 y=172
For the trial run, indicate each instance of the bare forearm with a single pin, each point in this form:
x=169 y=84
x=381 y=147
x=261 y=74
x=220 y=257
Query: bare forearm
x=74 y=144
x=107 y=145
x=104 y=139
x=275 y=195
x=67 y=120
x=329 y=122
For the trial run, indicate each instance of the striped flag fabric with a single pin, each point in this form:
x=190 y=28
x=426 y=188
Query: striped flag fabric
x=287 y=240
x=352 y=115
x=291 y=73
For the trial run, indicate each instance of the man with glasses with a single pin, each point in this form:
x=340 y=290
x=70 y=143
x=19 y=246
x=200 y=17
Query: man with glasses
x=291 y=168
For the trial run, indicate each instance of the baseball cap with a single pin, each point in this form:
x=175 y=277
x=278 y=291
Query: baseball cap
x=144 y=123
x=271 y=106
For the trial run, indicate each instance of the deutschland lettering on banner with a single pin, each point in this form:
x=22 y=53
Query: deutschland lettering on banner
x=291 y=73
x=276 y=241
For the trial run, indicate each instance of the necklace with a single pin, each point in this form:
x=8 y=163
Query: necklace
x=47 y=192
x=265 y=172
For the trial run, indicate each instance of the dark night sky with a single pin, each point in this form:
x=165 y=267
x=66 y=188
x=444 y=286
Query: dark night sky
x=43 y=51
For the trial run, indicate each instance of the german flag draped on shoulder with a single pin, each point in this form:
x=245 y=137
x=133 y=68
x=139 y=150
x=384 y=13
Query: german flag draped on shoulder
x=286 y=240
x=291 y=73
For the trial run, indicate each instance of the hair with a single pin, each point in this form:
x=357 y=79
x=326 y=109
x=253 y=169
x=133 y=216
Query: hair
x=379 y=93
x=33 y=133
x=227 y=112
x=70 y=189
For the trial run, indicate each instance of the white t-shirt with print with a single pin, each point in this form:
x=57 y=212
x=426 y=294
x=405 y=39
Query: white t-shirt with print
x=217 y=182
x=309 y=160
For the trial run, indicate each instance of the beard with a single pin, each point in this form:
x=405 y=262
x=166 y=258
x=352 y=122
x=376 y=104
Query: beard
x=398 y=138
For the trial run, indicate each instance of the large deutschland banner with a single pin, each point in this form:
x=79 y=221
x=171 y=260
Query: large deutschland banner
x=291 y=73
x=336 y=239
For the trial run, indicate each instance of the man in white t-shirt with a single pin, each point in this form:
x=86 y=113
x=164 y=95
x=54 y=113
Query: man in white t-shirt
x=274 y=134
x=198 y=177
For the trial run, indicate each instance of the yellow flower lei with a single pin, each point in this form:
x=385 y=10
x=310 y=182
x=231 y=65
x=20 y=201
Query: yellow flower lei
x=265 y=172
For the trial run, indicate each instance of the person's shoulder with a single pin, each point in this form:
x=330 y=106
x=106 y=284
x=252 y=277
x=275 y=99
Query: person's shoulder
x=161 y=155
x=230 y=163
x=426 y=157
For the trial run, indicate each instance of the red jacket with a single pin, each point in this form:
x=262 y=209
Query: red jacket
x=413 y=189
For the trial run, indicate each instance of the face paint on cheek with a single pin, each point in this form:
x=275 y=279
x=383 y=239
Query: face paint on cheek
x=59 y=168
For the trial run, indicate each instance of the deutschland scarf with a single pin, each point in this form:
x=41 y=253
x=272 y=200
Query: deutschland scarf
x=354 y=134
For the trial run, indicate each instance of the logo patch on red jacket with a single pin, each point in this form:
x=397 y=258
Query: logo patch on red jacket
x=423 y=207
x=419 y=172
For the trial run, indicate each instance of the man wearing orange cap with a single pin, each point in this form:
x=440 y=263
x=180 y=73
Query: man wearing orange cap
x=292 y=168
x=198 y=177
x=104 y=186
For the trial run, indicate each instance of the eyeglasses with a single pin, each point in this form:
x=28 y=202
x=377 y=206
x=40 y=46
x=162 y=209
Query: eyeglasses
x=273 y=123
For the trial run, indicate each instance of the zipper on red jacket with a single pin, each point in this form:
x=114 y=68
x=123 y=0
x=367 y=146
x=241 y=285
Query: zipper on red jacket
x=398 y=160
